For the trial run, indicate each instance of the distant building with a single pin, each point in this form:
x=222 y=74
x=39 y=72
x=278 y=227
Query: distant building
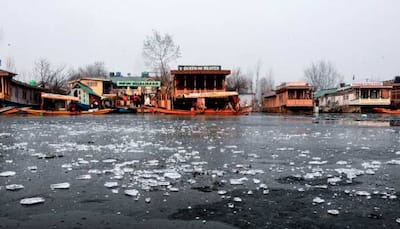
x=356 y=97
x=290 y=97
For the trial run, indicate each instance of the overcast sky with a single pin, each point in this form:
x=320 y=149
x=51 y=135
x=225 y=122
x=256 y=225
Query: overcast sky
x=358 y=37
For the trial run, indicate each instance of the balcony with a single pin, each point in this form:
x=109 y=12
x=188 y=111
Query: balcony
x=299 y=103
x=187 y=91
x=370 y=102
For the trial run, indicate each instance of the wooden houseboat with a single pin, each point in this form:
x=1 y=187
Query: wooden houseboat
x=18 y=94
x=354 y=98
x=293 y=97
x=201 y=90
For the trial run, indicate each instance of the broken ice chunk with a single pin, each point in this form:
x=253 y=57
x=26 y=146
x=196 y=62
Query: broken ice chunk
x=222 y=192
x=84 y=177
x=398 y=220
x=172 y=175
x=64 y=185
x=111 y=184
x=147 y=200
x=362 y=193
x=14 y=187
x=109 y=160
x=318 y=200
x=131 y=192
x=32 y=200
x=238 y=181
x=7 y=174
x=334 y=180
x=333 y=212
x=237 y=199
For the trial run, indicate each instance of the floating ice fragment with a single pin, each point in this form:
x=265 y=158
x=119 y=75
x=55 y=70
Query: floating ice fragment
x=222 y=192
x=111 y=184
x=252 y=172
x=256 y=181
x=231 y=147
x=393 y=162
x=312 y=175
x=64 y=185
x=94 y=171
x=333 y=212
x=265 y=192
x=109 y=160
x=7 y=174
x=398 y=220
x=350 y=173
x=172 y=175
x=249 y=192
x=341 y=163
x=231 y=205
x=173 y=189
x=32 y=200
x=84 y=177
x=334 y=180
x=362 y=193
x=237 y=199
x=131 y=192
x=32 y=168
x=317 y=162
x=66 y=166
x=318 y=200
x=14 y=187
x=147 y=200
x=238 y=181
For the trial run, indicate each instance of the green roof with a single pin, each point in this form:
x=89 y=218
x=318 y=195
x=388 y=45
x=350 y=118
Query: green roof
x=323 y=92
x=88 y=89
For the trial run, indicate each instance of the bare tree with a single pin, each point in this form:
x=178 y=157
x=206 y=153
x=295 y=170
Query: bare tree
x=95 y=70
x=322 y=75
x=266 y=85
x=52 y=78
x=159 y=51
x=238 y=81
x=10 y=64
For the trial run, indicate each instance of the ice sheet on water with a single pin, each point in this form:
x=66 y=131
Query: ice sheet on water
x=252 y=172
x=341 y=162
x=110 y=160
x=7 y=174
x=32 y=200
x=309 y=176
x=14 y=187
x=363 y=193
x=64 y=185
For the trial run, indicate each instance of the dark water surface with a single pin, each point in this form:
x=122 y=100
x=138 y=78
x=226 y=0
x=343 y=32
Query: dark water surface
x=256 y=171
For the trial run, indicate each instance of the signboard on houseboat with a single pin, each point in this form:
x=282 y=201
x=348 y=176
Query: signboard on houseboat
x=133 y=83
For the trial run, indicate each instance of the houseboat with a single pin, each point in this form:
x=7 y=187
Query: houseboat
x=14 y=93
x=293 y=97
x=201 y=90
x=354 y=98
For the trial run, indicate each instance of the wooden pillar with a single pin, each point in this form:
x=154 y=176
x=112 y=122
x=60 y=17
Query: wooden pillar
x=195 y=79
x=215 y=83
x=205 y=83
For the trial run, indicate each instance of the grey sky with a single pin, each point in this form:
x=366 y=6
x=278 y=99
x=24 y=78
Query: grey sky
x=359 y=37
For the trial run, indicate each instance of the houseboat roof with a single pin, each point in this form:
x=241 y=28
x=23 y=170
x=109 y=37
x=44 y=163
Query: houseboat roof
x=200 y=70
x=59 y=97
x=23 y=84
x=370 y=85
x=323 y=92
x=295 y=85
x=89 y=78
x=216 y=94
x=88 y=89
x=7 y=73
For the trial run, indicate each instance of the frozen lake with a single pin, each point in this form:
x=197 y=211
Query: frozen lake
x=143 y=171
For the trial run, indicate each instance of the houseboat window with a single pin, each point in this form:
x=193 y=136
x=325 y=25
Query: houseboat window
x=210 y=83
x=357 y=93
x=180 y=83
x=23 y=94
x=1 y=85
x=16 y=92
x=189 y=83
x=200 y=82
x=76 y=93
x=364 y=94
x=374 y=94
x=220 y=84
